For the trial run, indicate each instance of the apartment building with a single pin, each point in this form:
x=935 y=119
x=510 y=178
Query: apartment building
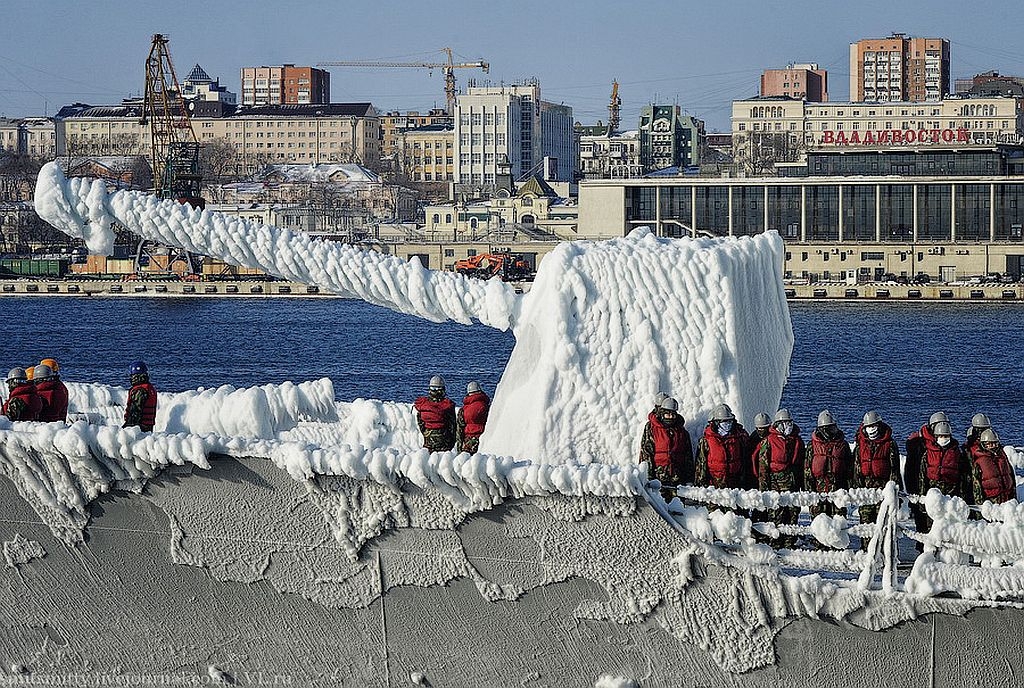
x=804 y=81
x=285 y=85
x=899 y=68
x=509 y=130
x=427 y=154
x=614 y=155
x=31 y=136
x=668 y=138
x=394 y=124
x=301 y=134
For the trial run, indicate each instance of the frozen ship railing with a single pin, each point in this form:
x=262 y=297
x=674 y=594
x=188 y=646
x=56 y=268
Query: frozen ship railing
x=976 y=552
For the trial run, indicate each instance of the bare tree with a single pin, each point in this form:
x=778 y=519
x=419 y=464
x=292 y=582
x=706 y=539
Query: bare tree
x=758 y=152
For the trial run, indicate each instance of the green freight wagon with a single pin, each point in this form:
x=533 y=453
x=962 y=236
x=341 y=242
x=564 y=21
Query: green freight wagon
x=34 y=267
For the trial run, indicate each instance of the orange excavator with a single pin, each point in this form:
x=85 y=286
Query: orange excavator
x=508 y=267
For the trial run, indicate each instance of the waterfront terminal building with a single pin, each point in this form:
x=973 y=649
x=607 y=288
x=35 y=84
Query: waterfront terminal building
x=950 y=211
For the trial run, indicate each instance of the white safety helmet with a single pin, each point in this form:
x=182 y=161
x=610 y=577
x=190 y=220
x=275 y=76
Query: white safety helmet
x=436 y=382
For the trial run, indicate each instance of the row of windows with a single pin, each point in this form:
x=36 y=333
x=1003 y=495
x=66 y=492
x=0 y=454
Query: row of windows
x=891 y=215
x=477 y=118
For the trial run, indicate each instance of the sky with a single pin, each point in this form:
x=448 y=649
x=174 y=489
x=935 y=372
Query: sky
x=699 y=55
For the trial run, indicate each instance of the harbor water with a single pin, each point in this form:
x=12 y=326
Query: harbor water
x=904 y=359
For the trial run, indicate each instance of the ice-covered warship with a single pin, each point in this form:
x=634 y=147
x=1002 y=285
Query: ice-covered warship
x=273 y=534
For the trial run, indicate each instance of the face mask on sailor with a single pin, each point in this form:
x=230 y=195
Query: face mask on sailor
x=991 y=446
x=871 y=431
x=724 y=427
x=786 y=427
x=668 y=416
x=943 y=440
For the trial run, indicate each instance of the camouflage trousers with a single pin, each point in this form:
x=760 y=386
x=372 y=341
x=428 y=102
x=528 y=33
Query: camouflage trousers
x=438 y=440
x=470 y=444
x=869 y=512
x=668 y=480
x=783 y=481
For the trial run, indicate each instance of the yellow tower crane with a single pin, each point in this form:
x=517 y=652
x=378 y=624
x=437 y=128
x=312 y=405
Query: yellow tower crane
x=447 y=67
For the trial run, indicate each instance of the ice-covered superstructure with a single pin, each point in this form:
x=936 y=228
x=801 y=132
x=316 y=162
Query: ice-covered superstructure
x=605 y=326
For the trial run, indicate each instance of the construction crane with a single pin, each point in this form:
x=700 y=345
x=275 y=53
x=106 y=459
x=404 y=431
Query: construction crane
x=613 y=109
x=447 y=67
x=173 y=143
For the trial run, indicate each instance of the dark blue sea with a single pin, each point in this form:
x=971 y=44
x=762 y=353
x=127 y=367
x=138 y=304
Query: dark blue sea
x=904 y=359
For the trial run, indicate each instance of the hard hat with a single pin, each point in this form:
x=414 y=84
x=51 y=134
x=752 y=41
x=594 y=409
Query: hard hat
x=942 y=428
x=472 y=387
x=762 y=420
x=42 y=372
x=938 y=417
x=17 y=374
x=436 y=382
x=980 y=420
x=722 y=412
x=138 y=368
x=989 y=435
x=659 y=397
x=825 y=419
x=30 y=373
x=52 y=362
x=783 y=414
x=670 y=404
x=872 y=418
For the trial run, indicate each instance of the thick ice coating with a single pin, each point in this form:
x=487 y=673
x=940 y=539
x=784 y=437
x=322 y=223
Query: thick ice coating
x=605 y=326
x=608 y=324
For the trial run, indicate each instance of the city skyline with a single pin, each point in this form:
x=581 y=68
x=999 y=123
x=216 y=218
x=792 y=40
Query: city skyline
x=701 y=57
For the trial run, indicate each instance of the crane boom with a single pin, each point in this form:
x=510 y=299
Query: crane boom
x=446 y=67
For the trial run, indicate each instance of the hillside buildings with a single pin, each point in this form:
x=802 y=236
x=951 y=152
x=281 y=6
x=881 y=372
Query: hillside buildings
x=898 y=68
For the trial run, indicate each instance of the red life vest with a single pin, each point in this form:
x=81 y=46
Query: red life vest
x=786 y=451
x=436 y=415
x=726 y=455
x=33 y=404
x=874 y=456
x=828 y=461
x=997 y=481
x=672 y=446
x=474 y=412
x=148 y=408
x=54 y=396
x=942 y=464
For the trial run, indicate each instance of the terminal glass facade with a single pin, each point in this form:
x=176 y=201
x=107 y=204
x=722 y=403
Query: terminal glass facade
x=973 y=203
x=934 y=204
x=928 y=211
x=748 y=210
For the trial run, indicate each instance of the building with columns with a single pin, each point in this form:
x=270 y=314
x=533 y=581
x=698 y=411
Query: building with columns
x=948 y=213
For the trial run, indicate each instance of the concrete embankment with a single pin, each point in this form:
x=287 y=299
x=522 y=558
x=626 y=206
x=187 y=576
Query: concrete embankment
x=803 y=292
x=904 y=292
x=25 y=287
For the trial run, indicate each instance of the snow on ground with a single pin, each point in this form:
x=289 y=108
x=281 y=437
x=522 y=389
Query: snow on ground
x=605 y=326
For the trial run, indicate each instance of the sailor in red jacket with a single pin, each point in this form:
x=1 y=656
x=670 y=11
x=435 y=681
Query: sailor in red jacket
x=52 y=392
x=829 y=463
x=140 y=410
x=912 y=469
x=993 y=478
x=22 y=403
x=472 y=417
x=666 y=447
x=722 y=452
x=876 y=461
x=435 y=414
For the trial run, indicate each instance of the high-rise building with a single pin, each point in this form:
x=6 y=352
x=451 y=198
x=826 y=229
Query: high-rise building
x=669 y=138
x=898 y=68
x=509 y=130
x=285 y=85
x=804 y=81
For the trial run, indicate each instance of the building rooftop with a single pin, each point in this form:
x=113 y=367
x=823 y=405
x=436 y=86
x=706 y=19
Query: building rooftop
x=198 y=75
x=309 y=110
